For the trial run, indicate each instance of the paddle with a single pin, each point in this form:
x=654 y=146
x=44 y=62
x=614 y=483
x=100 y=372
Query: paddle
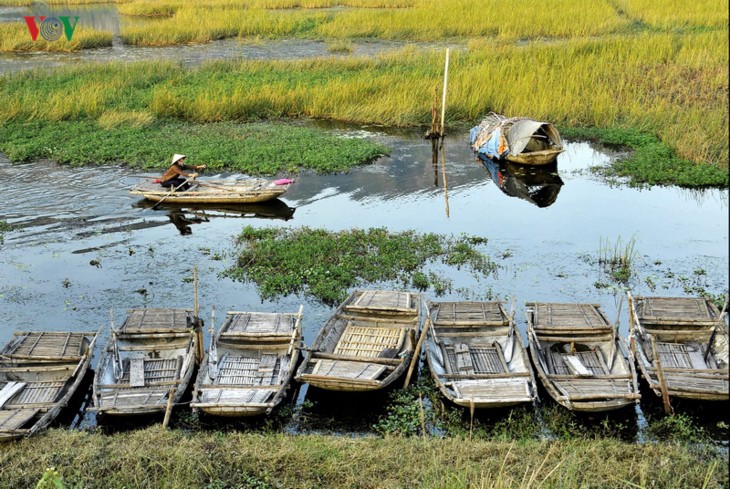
x=172 y=192
x=714 y=330
x=417 y=349
x=510 y=346
x=612 y=352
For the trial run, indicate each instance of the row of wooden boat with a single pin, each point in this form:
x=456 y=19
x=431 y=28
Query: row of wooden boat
x=474 y=351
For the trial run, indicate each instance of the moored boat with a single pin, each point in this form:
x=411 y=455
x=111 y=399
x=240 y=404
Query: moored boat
x=147 y=363
x=39 y=373
x=681 y=346
x=579 y=357
x=366 y=344
x=242 y=191
x=250 y=364
x=476 y=355
x=517 y=139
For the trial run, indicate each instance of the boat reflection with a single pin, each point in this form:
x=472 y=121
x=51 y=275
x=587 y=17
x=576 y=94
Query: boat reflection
x=183 y=216
x=538 y=185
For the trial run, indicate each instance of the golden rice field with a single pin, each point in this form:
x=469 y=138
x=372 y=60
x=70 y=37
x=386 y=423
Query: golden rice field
x=14 y=37
x=654 y=66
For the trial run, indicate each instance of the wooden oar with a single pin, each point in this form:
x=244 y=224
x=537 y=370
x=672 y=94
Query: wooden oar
x=417 y=349
x=714 y=330
x=510 y=346
x=614 y=339
x=171 y=192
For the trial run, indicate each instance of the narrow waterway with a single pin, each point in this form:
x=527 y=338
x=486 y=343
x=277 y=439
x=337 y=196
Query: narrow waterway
x=82 y=245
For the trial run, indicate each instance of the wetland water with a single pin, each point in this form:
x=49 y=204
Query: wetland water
x=82 y=245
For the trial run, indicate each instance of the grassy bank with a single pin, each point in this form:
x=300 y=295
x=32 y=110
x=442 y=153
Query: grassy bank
x=137 y=139
x=324 y=264
x=154 y=458
x=641 y=92
x=14 y=36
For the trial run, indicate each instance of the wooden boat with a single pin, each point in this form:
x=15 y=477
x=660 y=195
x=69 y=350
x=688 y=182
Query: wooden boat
x=681 y=346
x=147 y=362
x=216 y=191
x=250 y=364
x=517 y=139
x=39 y=373
x=476 y=355
x=366 y=345
x=579 y=357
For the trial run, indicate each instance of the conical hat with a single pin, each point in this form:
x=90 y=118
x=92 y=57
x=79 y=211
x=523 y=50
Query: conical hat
x=177 y=158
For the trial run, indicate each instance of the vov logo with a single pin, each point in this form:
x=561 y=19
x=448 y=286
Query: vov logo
x=51 y=28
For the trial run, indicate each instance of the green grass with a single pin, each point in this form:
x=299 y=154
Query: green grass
x=4 y=227
x=153 y=458
x=15 y=37
x=636 y=99
x=255 y=149
x=324 y=264
x=650 y=161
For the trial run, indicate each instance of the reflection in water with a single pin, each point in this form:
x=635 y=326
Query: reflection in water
x=538 y=185
x=182 y=216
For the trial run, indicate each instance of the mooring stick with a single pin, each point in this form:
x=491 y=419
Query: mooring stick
x=443 y=97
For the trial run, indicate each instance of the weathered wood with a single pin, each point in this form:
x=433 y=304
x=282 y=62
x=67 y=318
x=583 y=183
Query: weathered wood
x=378 y=325
x=34 y=394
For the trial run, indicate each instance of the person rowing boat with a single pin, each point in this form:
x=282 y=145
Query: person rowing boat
x=175 y=177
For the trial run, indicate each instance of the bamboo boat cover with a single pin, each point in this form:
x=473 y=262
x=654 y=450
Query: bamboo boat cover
x=157 y=321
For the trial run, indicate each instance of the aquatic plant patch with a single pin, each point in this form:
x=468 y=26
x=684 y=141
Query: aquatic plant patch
x=254 y=149
x=650 y=161
x=325 y=264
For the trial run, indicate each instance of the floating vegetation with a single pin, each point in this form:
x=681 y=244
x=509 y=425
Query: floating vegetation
x=255 y=149
x=4 y=228
x=325 y=264
x=616 y=259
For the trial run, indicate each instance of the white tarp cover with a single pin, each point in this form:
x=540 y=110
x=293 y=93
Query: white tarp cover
x=517 y=131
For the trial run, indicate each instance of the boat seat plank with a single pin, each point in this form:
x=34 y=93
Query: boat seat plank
x=494 y=389
x=236 y=396
x=681 y=381
x=347 y=370
x=464 y=364
x=15 y=418
x=37 y=393
x=9 y=390
x=575 y=366
x=368 y=341
x=594 y=386
x=136 y=372
x=120 y=398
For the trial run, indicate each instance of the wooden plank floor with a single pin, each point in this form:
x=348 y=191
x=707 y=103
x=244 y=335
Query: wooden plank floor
x=50 y=344
x=260 y=322
x=468 y=313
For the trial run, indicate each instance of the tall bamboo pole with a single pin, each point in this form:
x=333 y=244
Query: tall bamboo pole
x=443 y=97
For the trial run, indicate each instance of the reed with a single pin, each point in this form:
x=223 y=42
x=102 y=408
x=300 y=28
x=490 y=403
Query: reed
x=175 y=458
x=617 y=259
x=14 y=36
